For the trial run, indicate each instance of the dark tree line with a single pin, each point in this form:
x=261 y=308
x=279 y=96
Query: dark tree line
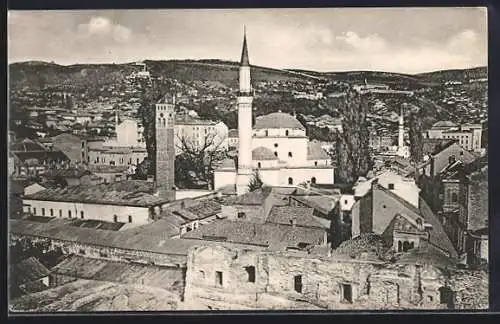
x=416 y=137
x=353 y=156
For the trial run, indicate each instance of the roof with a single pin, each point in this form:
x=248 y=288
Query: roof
x=137 y=193
x=41 y=156
x=109 y=168
x=244 y=52
x=432 y=146
x=263 y=153
x=68 y=173
x=256 y=197
x=277 y=120
x=274 y=236
x=193 y=121
x=26 y=145
x=302 y=216
x=30 y=269
x=205 y=208
x=60 y=229
x=323 y=204
x=444 y=124
x=66 y=137
x=316 y=152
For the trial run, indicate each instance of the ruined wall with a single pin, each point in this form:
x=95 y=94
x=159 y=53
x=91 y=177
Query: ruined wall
x=323 y=282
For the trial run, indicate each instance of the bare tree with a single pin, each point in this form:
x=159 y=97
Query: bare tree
x=199 y=157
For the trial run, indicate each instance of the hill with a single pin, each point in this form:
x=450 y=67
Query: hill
x=455 y=75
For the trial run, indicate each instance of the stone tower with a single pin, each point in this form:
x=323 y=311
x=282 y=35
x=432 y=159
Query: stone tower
x=245 y=98
x=165 y=148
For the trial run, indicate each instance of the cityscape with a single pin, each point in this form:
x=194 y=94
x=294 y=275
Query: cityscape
x=213 y=178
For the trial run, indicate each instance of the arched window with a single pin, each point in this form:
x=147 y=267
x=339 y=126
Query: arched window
x=406 y=246
x=286 y=132
x=258 y=165
x=412 y=245
x=454 y=197
x=400 y=246
x=315 y=163
x=115 y=218
x=289 y=154
x=290 y=181
x=275 y=144
x=313 y=180
x=267 y=133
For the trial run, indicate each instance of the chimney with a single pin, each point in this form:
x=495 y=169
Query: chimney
x=374 y=183
x=151 y=178
x=292 y=222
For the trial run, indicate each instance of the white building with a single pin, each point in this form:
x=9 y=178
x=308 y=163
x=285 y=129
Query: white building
x=467 y=135
x=277 y=147
x=196 y=133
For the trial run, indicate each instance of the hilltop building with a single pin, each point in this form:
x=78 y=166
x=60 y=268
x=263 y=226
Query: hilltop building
x=277 y=146
x=468 y=136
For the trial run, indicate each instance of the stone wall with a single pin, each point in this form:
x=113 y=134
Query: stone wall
x=219 y=278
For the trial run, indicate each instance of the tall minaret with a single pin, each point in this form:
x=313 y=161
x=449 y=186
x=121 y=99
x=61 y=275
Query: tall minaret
x=245 y=98
x=401 y=131
x=165 y=149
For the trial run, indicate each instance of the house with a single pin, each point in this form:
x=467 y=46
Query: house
x=72 y=146
x=467 y=135
x=29 y=276
x=444 y=154
x=402 y=225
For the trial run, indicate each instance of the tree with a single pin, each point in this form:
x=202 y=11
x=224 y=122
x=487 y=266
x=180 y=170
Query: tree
x=199 y=158
x=416 y=138
x=256 y=182
x=352 y=146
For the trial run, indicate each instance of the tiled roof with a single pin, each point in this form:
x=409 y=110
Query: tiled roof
x=323 y=204
x=60 y=229
x=256 y=197
x=26 y=145
x=263 y=153
x=30 y=269
x=277 y=120
x=205 y=208
x=316 y=152
x=108 y=168
x=432 y=146
x=302 y=216
x=68 y=173
x=126 y=193
x=41 y=156
x=274 y=236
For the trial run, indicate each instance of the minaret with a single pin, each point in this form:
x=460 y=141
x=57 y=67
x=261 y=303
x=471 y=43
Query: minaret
x=165 y=148
x=245 y=98
x=401 y=131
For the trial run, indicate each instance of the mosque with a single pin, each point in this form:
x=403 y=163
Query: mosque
x=277 y=146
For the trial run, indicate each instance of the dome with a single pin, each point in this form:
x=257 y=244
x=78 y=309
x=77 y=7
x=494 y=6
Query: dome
x=277 y=120
x=445 y=124
x=262 y=153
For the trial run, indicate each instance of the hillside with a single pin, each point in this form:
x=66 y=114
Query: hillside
x=455 y=75
x=39 y=74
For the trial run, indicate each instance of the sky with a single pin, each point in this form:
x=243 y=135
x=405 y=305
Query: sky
x=405 y=40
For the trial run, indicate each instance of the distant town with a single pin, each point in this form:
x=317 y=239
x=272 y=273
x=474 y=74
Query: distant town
x=215 y=185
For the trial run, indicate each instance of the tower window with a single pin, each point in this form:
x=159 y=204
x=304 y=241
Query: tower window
x=391 y=186
x=60 y=212
x=286 y=132
x=251 y=273
x=115 y=218
x=275 y=144
x=129 y=218
x=297 y=283
x=69 y=213
x=81 y=214
x=290 y=181
x=258 y=165
x=289 y=154
x=218 y=278
x=43 y=211
x=313 y=180
x=276 y=154
x=315 y=163
x=267 y=133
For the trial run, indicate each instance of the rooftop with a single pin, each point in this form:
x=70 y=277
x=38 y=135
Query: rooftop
x=256 y=197
x=277 y=120
x=125 y=193
x=26 y=145
x=263 y=153
x=301 y=216
x=29 y=270
x=444 y=124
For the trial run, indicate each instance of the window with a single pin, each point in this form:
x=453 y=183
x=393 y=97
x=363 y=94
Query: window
x=347 y=293
x=275 y=153
x=313 y=180
x=115 y=218
x=315 y=163
x=81 y=251
x=130 y=218
x=267 y=133
x=69 y=213
x=83 y=144
x=275 y=144
x=345 y=202
x=83 y=155
x=202 y=274
x=286 y=132
x=81 y=215
x=251 y=273
x=60 y=212
x=43 y=211
x=51 y=212
x=451 y=159
x=258 y=165
x=290 y=181
x=218 y=278
x=289 y=154
x=297 y=283
x=461 y=153
x=400 y=246
x=454 y=197
x=391 y=186
x=241 y=215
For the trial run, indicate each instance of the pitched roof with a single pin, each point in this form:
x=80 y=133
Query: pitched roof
x=60 y=229
x=302 y=216
x=444 y=124
x=432 y=146
x=125 y=193
x=26 y=145
x=251 y=198
x=323 y=204
x=316 y=152
x=274 y=236
x=263 y=153
x=30 y=269
x=245 y=61
x=41 y=156
x=277 y=120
